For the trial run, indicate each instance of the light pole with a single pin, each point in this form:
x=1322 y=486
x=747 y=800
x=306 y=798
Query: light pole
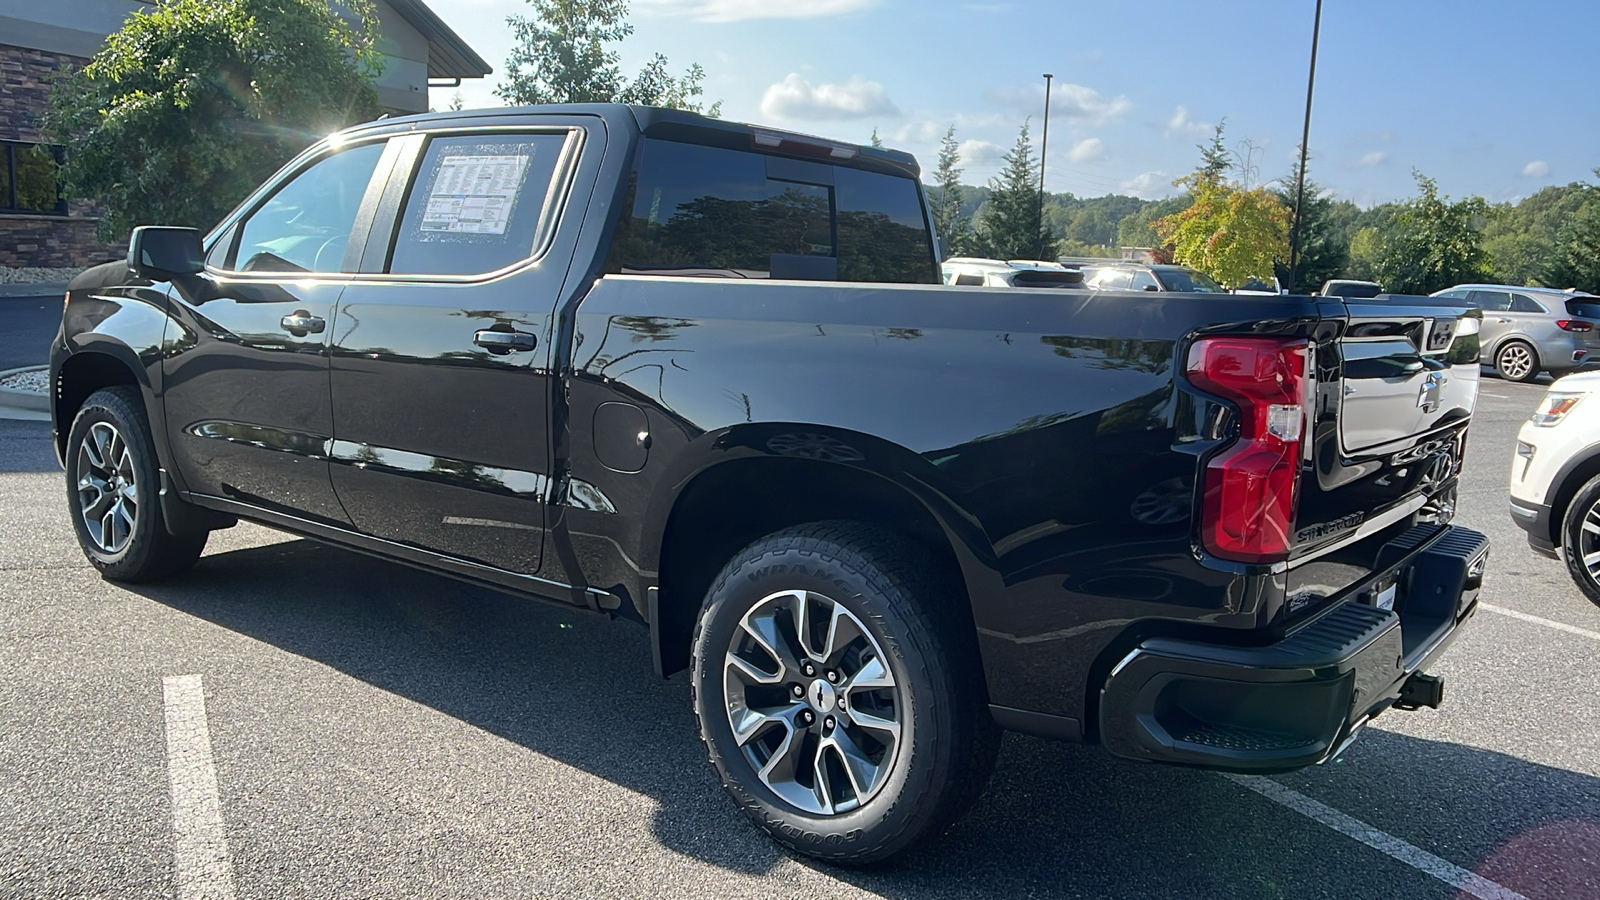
x=1300 y=177
x=1044 y=146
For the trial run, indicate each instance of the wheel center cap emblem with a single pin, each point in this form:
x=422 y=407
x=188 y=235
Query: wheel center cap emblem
x=823 y=696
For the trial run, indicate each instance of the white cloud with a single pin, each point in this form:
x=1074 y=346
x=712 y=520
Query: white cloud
x=1372 y=160
x=981 y=152
x=1148 y=185
x=1073 y=101
x=1087 y=150
x=796 y=98
x=1536 y=169
x=739 y=10
x=1182 y=124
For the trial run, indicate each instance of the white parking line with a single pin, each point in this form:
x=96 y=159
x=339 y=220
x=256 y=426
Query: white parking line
x=200 y=846
x=1548 y=623
x=1387 y=844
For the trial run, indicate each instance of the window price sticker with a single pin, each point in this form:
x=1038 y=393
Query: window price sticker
x=474 y=194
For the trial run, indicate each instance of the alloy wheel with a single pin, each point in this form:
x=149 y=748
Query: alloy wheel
x=1589 y=541
x=108 y=488
x=813 y=704
x=1515 y=361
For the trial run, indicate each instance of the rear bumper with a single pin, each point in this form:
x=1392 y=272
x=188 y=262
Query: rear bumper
x=1298 y=701
x=1534 y=518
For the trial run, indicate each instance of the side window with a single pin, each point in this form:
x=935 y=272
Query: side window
x=1113 y=280
x=1144 y=281
x=1493 y=301
x=305 y=225
x=475 y=204
x=1524 y=303
x=968 y=278
x=883 y=235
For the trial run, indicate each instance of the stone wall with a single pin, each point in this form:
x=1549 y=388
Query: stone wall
x=39 y=240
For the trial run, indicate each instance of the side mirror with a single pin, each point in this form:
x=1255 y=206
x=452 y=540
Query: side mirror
x=161 y=252
x=1151 y=287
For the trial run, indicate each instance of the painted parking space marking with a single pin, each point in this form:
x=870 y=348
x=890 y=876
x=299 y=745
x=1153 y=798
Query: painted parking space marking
x=1387 y=844
x=200 y=845
x=1539 y=620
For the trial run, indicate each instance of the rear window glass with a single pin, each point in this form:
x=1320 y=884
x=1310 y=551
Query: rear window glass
x=1584 y=307
x=715 y=212
x=1190 y=282
x=1027 y=278
x=476 y=204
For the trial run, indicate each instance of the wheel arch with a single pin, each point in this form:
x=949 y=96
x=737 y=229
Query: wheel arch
x=1571 y=478
x=697 y=524
x=94 y=365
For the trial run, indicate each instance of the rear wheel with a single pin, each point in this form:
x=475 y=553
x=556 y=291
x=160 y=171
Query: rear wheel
x=1580 y=539
x=112 y=492
x=838 y=698
x=1517 y=361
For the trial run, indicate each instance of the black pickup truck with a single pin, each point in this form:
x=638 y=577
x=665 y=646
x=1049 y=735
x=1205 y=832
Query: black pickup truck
x=702 y=376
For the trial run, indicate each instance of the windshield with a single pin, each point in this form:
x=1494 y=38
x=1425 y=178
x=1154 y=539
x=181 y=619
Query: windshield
x=1188 y=281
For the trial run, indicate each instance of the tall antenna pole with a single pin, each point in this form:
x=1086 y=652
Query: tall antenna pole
x=1300 y=177
x=1044 y=146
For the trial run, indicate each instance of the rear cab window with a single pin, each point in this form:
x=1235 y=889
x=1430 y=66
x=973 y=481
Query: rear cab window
x=716 y=212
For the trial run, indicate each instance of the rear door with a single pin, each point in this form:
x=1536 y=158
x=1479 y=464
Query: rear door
x=1498 y=320
x=441 y=348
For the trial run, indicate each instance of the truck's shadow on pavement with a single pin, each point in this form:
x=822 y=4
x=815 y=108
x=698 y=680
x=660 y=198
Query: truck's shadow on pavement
x=1057 y=820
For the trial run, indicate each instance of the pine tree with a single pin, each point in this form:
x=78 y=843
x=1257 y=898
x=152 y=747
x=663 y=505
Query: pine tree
x=947 y=217
x=1215 y=161
x=1322 y=254
x=876 y=141
x=1011 y=227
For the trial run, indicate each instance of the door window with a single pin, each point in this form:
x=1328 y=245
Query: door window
x=476 y=203
x=305 y=225
x=1113 y=280
x=1144 y=281
x=1490 y=301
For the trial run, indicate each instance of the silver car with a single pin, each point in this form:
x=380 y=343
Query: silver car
x=1531 y=330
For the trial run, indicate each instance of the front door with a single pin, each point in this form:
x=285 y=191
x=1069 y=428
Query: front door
x=246 y=365
x=441 y=353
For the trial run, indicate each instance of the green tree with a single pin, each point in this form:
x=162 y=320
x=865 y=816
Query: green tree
x=1522 y=239
x=1011 y=227
x=562 y=54
x=876 y=141
x=1436 y=243
x=1575 y=261
x=193 y=103
x=954 y=227
x=1365 y=255
x=1324 y=252
x=1230 y=233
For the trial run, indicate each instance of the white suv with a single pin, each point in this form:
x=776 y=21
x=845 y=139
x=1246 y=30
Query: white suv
x=1555 y=478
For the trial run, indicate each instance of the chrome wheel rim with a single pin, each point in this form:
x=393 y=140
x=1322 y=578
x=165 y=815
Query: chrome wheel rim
x=812 y=702
x=1589 y=541
x=1516 y=361
x=108 y=489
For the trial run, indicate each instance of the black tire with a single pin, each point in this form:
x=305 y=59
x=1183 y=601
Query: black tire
x=132 y=547
x=1577 y=544
x=1517 y=361
x=893 y=590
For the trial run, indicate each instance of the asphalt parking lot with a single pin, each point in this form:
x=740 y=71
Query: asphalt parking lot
x=377 y=732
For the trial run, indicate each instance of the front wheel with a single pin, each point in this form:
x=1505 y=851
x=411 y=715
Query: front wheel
x=839 y=697
x=112 y=492
x=1517 y=361
x=1580 y=539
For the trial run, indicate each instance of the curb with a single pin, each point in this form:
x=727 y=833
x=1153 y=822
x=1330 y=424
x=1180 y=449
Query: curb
x=14 y=399
x=32 y=289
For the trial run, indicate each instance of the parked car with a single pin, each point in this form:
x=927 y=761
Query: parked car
x=1346 y=287
x=702 y=376
x=1555 y=478
x=1131 y=276
x=1531 y=330
x=1021 y=273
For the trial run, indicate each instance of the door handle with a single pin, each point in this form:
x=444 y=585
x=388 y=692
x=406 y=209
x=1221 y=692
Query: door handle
x=504 y=341
x=1503 y=321
x=301 y=323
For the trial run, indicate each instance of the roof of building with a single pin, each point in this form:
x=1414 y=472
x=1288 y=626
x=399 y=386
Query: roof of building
x=448 y=55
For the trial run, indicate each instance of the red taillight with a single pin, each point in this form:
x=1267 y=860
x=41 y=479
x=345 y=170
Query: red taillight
x=1574 y=325
x=1249 y=491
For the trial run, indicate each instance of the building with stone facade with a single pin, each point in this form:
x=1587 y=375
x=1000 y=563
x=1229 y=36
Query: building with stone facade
x=39 y=37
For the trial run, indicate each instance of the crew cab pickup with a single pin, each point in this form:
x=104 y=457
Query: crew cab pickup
x=703 y=376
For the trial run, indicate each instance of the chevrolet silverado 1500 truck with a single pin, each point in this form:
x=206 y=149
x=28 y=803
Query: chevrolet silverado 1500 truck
x=702 y=375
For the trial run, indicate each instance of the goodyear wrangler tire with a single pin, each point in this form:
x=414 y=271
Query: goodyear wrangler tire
x=839 y=697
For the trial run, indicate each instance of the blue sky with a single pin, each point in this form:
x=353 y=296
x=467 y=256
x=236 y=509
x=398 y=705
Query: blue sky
x=1491 y=98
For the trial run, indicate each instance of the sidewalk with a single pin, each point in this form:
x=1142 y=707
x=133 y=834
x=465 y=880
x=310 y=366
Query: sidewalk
x=25 y=394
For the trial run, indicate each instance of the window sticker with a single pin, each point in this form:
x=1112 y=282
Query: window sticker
x=474 y=194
